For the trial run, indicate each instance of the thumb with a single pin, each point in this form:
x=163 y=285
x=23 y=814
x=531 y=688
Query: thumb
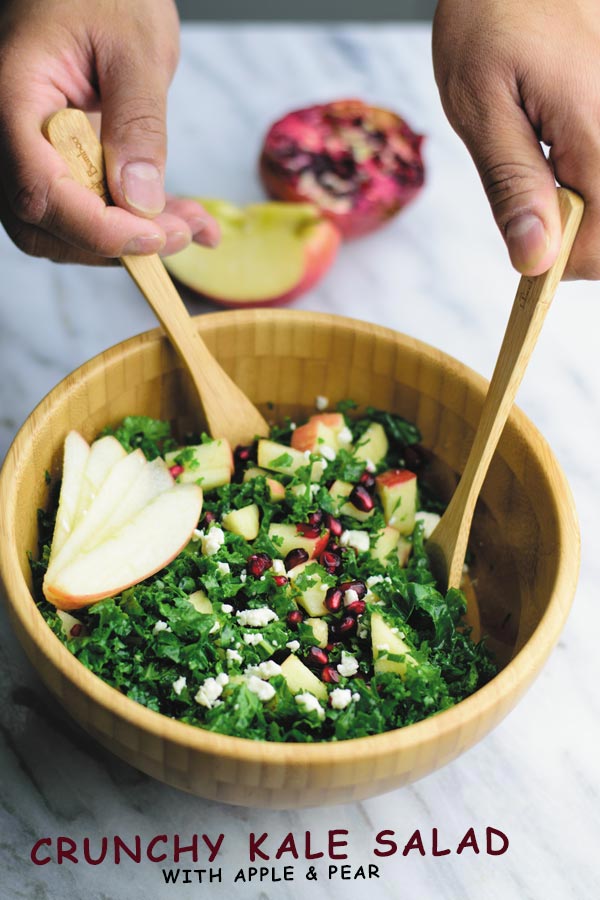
x=520 y=186
x=134 y=133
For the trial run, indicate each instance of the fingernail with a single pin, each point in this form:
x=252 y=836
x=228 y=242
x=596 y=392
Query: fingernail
x=176 y=241
x=143 y=245
x=143 y=187
x=527 y=241
x=205 y=231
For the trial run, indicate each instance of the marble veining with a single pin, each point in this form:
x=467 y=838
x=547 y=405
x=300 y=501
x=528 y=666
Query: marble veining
x=438 y=272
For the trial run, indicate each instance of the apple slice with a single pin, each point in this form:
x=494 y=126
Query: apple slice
x=211 y=462
x=269 y=253
x=76 y=453
x=320 y=630
x=142 y=546
x=292 y=538
x=373 y=445
x=279 y=457
x=201 y=603
x=333 y=420
x=314 y=436
x=338 y=491
x=244 y=521
x=397 y=489
x=385 y=542
x=104 y=454
x=299 y=678
x=276 y=488
x=386 y=640
x=312 y=597
x=152 y=480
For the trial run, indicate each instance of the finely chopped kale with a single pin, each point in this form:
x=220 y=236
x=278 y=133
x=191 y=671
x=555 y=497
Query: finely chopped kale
x=155 y=646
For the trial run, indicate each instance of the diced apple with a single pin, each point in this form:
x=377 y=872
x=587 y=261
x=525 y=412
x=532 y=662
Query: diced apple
x=334 y=421
x=404 y=551
x=279 y=457
x=299 y=678
x=385 y=543
x=200 y=602
x=144 y=545
x=397 y=490
x=429 y=520
x=292 y=538
x=104 y=454
x=75 y=456
x=373 y=444
x=244 y=521
x=320 y=631
x=385 y=640
x=210 y=464
x=276 y=489
x=314 y=436
x=338 y=491
x=310 y=598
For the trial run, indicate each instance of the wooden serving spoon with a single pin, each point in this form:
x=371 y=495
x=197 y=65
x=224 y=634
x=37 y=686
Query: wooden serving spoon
x=228 y=411
x=447 y=545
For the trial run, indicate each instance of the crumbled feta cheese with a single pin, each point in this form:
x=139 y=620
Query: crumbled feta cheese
x=224 y=568
x=256 y=617
x=197 y=535
x=209 y=692
x=310 y=704
x=293 y=645
x=227 y=608
x=293 y=426
x=344 y=435
x=234 y=656
x=350 y=596
x=362 y=632
x=372 y=580
x=279 y=567
x=321 y=402
x=358 y=540
x=341 y=698
x=370 y=466
x=383 y=648
x=348 y=665
x=243 y=575
x=307 y=454
x=263 y=690
x=265 y=670
x=429 y=520
x=314 y=490
x=222 y=678
x=213 y=541
x=160 y=626
x=180 y=684
x=252 y=639
x=355 y=696
x=328 y=452
x=214 y=628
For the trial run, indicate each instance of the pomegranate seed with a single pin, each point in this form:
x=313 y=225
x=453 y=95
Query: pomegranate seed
x=294 y=618
x=76 y=630
x=295 y=558
x=329 y=646
x=280 y=580
x=361 y=498
x=347 y=625
x=330 y=561
x=315 y=518
x=330 y=674
x=356 y=608
x=209 y=517
x=334 y=599
x=243 y=454
x=334 y=525
x=309 y=531
x=175 y=471
x=258 y=563
x=367 y=480
x=358 y=586
x=317 y=657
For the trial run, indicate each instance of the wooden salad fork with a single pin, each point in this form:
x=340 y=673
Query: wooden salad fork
x=229 y=413
x=447 y=545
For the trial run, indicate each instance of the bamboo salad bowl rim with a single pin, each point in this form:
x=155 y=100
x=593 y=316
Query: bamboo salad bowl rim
x=511 y=681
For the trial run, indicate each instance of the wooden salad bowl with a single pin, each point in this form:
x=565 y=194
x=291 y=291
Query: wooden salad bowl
x=525 y=542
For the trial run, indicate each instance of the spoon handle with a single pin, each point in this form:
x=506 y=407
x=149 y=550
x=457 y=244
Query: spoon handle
x=530 y=306
x=228 y=411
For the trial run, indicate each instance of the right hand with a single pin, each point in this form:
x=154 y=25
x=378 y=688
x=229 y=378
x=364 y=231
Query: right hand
x=115 y=57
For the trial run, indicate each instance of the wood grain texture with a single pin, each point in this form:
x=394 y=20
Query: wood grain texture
x=525 y=539
x=229 y=413
x=447 y=545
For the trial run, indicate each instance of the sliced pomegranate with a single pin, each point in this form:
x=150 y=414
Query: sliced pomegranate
x=359 y=164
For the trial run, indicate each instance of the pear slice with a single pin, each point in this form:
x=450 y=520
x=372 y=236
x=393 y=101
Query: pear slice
x=75 y=457
x=141 y=547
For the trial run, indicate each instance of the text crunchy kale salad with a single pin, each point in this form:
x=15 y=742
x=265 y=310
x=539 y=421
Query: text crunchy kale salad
x=301 y=609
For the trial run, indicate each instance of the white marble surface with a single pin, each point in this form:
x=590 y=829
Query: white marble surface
x=439 y=272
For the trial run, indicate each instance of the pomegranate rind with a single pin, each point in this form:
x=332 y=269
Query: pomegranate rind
x=359 y=164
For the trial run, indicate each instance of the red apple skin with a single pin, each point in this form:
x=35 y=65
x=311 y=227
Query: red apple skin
x=319 y=254
x=335 y=421
x=394 y=476
x=321 y=544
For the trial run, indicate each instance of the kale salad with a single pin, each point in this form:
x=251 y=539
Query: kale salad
x=279 y=591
